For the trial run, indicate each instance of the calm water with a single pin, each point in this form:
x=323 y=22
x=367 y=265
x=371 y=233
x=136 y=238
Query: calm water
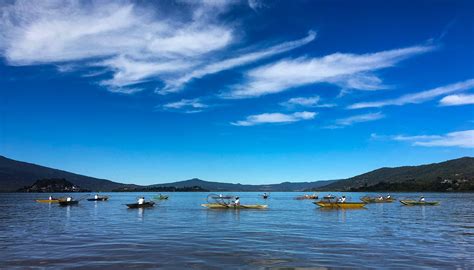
x=179 y=233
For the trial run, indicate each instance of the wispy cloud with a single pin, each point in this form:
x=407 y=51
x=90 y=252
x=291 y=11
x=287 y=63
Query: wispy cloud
x=351 y=70
x=419 y=97
x=272 y=118
x=135 y=42
x=256 y=4
x=349 y=121
x=311 y=102
x=456 y=100
x=463 y=139
x=176 y=84
x=186 y=106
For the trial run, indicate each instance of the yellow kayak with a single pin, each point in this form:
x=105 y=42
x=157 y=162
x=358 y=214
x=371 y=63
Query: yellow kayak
x=48 y=201
x=344 y=205
x=224 y=206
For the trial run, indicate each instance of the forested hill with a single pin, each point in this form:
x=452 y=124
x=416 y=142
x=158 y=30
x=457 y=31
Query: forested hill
x=17 y=174
x=451 y=175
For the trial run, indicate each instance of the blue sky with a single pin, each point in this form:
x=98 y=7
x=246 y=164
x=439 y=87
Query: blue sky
x=236 y=91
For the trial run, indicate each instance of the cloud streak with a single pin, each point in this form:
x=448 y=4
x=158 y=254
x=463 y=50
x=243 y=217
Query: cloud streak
x=186 y=105
x=462 y=139
x=456 y=100
x=310 y=102
x=350 y=70
x=419 y=97
x=274 y=118
x=349 y=121
x=176 y=84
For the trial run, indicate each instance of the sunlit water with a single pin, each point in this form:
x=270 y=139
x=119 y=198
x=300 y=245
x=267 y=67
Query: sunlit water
x=179 y=233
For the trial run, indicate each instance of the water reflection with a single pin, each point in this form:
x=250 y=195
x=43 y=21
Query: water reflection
x=180 y=233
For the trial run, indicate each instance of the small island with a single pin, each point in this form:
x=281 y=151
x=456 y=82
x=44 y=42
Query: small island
x=52 y=185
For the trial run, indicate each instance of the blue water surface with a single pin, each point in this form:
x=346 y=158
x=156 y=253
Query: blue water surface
x=291 y=234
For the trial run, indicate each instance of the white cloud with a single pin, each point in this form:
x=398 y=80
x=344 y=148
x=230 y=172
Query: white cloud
x=186 y=105
x=464 y=139
x=418 y=97
x=349 y=121
x=134 y=42
x=256 y=4
x=176 y=84
x=351 y=70
x=272 y=118
x=306 y=102
x=455 y=100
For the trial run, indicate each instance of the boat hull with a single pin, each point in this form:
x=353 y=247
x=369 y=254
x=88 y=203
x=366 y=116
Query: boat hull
x=410 y=202
x=223 y=206
x=338 y=205
x=307 y=198
x=160 y=197
x=374 y=200
x=136 y=205
x=66 y=203
x=98 y=200
x=47 y=201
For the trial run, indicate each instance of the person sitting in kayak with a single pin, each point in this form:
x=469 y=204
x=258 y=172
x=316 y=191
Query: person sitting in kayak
x=50 y=198
x=422 y=199
x=96 y=196
x=68 y=199
x=141 y=200
x=343 y=199
x=388 y=196
x=237 y=201
x=380 y=198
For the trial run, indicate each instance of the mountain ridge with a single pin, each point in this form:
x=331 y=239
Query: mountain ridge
x=455 y=174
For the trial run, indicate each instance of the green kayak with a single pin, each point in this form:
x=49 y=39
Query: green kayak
x=161 y=197
x=413 y=202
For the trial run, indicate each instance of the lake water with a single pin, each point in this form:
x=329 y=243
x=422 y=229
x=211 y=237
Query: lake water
x=179 y=233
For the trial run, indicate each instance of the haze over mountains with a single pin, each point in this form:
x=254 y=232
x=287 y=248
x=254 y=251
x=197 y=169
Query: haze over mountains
x=456 y=174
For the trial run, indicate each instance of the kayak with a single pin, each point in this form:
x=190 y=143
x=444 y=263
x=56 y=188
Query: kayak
x=224 y=206
x=66 y=203
x=98 y=199
x=144 y=205
x=307 y=197
x=161 y=197
x=413 y=202
x=344 y=205
x=377 y=200
x=48 y=201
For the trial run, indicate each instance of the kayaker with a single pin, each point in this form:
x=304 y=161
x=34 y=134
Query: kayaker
x=343 y=199
x=237 y=201
x=388 y=196
x=380 y=198
x=96 y=196
x=50 y=198
x=68 y=199
x=141 y=200
x=422 y=199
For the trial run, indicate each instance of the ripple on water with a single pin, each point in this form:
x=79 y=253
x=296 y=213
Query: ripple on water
x=179 y=233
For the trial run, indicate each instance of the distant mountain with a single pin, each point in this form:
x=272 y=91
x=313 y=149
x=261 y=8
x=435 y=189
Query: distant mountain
x=16 y=174
x=217 y=186
x=451 y=175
